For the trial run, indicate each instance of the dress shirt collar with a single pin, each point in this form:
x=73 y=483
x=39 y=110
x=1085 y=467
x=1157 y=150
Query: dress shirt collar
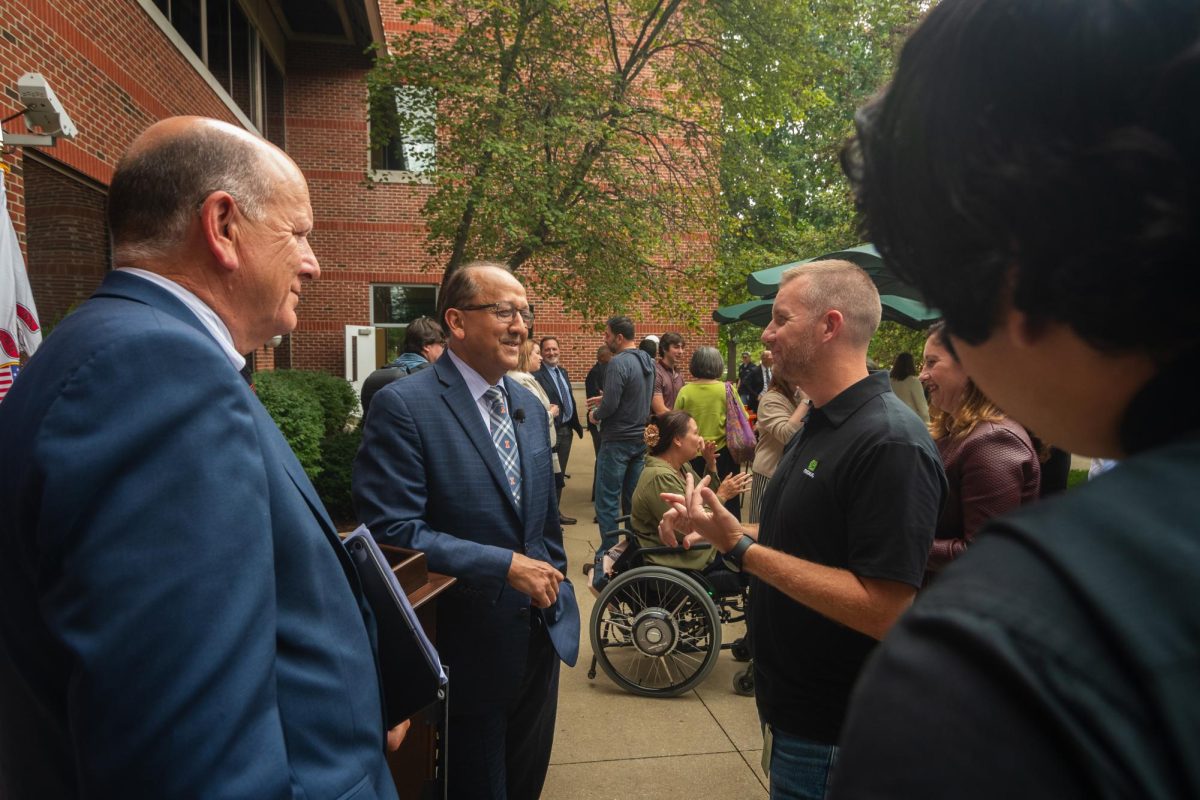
x=212 y=323
x=477 y=385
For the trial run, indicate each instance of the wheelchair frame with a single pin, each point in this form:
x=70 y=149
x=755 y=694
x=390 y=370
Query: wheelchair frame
x=656 y=631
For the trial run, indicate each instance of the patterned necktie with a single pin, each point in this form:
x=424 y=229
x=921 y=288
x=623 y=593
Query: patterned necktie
x=505 y=440
x=564 y=392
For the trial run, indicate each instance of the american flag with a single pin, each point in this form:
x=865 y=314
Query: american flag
x=7 y=373
x=19 y=327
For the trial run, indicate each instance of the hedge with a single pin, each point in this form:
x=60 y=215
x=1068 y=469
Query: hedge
x=298 y=415
x=335 y=395
x=337 y=464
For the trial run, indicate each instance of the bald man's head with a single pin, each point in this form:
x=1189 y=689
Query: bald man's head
x=168 y=171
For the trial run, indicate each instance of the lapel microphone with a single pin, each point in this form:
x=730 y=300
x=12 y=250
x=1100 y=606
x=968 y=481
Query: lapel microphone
x=518 y=415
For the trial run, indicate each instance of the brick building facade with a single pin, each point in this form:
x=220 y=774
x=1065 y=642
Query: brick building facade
x=119 y=65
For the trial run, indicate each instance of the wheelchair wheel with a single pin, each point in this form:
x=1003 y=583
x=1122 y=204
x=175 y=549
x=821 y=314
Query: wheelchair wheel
x=655 y=632
x=743 y=682
x=740 y=650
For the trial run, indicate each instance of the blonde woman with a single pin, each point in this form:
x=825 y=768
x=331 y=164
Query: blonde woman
x=528 y=362
x=990 y=461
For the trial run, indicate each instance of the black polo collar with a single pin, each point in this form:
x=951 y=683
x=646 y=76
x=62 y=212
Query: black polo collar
x=854 y=397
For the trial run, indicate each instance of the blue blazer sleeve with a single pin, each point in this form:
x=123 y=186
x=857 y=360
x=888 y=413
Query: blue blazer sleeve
x=156 y=522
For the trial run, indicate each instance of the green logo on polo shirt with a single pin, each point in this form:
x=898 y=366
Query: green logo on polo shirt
x=811 y=468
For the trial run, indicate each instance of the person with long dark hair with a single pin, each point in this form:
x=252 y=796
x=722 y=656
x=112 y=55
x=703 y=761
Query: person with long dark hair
x=672 y=441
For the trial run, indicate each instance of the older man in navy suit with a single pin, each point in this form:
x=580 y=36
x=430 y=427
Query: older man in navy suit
x=177 y=615
x=455 y=462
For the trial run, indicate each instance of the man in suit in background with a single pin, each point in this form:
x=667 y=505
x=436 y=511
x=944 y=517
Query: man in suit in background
x=553 y=379
x=455 y=462
x=177 y=615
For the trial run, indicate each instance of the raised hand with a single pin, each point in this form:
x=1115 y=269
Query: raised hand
x=733 y=485
x=688 y=515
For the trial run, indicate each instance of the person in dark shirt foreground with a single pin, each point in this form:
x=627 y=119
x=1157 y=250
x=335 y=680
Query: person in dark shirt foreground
x=1034 y=169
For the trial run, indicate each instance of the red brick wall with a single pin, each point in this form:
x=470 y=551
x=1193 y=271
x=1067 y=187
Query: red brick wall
x=66 y=239
x=116 y=72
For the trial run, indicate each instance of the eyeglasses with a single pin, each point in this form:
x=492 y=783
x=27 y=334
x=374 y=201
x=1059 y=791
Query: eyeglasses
x=505 y=312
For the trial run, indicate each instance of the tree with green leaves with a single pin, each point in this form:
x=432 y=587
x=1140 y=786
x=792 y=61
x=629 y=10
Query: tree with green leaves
x=784 y=195
x=584 y=135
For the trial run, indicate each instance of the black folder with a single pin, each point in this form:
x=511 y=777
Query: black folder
x=411 y=671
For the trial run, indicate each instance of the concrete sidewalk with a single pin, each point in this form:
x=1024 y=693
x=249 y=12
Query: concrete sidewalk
x=612 y=745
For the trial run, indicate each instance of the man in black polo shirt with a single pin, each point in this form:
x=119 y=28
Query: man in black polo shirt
x=847 y=522
x=1034 y=168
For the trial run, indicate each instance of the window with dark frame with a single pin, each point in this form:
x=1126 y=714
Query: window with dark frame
x=393 y=307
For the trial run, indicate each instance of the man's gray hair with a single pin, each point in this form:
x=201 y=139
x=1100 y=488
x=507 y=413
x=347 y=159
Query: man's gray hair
x=156 y=191
x=844 y=286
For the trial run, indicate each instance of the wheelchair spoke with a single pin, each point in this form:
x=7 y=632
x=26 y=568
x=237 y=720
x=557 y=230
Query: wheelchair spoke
x=657 y=632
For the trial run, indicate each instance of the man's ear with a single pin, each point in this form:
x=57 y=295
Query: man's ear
x=219 y=224
x=833 y=321
x=454 y=320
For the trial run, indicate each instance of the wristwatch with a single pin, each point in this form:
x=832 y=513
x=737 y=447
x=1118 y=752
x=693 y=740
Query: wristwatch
x=733 y=559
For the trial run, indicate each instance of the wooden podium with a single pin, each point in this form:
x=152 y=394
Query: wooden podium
x=418 y=767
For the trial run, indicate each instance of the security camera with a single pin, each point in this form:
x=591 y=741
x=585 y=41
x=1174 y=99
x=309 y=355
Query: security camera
x=42 y=109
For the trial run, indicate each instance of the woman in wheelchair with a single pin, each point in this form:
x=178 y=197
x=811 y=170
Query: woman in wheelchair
x=656 y=626
x=673 y=440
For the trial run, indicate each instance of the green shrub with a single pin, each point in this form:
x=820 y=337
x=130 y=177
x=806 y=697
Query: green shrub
x=298 y=415
x=337 y=464
x=335 y=396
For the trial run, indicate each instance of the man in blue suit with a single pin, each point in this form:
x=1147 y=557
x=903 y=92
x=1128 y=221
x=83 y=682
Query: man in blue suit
x=556 y=383
x=177 y=615
x=455 y=462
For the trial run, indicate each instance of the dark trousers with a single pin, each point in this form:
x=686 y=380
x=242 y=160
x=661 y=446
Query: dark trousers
x=595 y=432
x=725 y=466
x=563 y=448
x=503 y=755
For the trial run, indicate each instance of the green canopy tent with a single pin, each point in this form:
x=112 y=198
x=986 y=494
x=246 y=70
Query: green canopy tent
x=904 y=310
x=765 y=282
x=901 y=302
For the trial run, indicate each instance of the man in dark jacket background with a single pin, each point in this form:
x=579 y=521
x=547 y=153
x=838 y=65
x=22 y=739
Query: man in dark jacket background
x=424 y=342
x=621 y=409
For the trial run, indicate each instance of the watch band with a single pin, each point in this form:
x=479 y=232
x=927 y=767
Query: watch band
x=733 y=559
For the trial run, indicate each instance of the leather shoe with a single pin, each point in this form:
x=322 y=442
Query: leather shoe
x=566 y=520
